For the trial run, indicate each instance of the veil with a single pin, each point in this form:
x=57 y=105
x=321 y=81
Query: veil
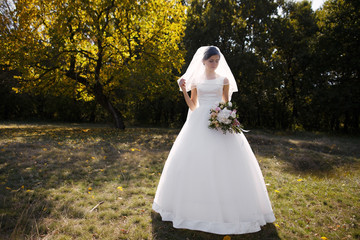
x=195 y=73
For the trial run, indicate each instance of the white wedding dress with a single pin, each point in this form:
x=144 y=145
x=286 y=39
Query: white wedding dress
x=212 y=181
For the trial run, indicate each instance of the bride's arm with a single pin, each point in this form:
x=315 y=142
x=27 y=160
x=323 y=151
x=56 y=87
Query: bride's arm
x=191 y=102
x=226 y=90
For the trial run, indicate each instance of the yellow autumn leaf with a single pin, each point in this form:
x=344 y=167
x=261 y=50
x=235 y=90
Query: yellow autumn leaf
x=120 y=188
x=277 y=191
x=324 y=238
x=16 y=90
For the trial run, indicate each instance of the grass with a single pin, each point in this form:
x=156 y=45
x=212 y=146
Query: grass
x=71 y=181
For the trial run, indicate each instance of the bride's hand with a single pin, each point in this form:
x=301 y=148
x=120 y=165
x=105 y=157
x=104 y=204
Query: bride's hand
x=182 y=84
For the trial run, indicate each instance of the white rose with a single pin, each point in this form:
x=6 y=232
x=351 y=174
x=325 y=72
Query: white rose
x=224 y=115
x=226 y=112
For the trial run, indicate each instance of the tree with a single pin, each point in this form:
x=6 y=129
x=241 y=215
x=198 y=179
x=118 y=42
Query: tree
x=338 y=64
x=112 y=51
x=294 y=39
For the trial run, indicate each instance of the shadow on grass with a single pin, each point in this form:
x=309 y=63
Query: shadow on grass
x=36 y=159
x=307 y=153
x=165 y=231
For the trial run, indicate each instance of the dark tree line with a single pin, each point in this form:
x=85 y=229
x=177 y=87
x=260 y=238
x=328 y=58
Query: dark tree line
x=296 y=69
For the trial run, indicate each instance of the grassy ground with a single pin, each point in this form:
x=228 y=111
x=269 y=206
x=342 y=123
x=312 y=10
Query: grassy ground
x=93 y=182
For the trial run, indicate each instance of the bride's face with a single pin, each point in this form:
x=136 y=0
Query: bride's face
x=212 y=63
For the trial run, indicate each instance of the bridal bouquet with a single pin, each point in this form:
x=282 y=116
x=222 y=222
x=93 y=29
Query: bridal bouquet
x=224 y=117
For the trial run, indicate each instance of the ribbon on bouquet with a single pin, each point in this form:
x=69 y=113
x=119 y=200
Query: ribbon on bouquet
x=243 y=130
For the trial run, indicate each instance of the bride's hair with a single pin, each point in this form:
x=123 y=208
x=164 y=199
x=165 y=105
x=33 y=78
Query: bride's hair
x=211 y=51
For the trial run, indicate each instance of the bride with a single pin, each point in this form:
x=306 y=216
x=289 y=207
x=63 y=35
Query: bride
x=211 y=181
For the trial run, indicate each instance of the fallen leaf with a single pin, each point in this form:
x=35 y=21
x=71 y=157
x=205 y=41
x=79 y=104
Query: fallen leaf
x=124 y=231
x=134 y=149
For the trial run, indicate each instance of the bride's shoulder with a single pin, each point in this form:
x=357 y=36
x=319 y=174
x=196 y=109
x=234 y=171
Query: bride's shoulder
x=224 y=79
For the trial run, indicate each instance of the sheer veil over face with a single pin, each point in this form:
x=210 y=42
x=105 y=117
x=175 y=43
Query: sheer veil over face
x=195 y=73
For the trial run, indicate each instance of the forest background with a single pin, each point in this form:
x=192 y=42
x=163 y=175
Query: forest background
x=118 y=60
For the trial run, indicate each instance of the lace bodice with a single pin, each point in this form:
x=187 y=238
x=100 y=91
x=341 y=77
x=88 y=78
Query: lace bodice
x=210 y=91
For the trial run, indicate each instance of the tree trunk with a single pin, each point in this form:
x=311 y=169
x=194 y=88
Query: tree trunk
x=119 y=122
x=105 y=102
x=100 y=98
